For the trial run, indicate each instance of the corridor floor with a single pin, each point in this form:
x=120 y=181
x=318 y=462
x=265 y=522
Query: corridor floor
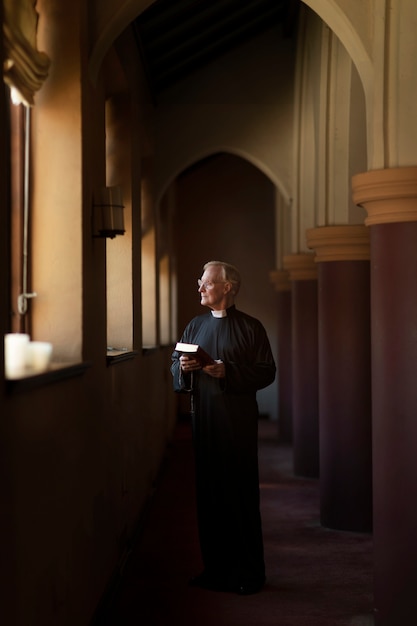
x=315 y=576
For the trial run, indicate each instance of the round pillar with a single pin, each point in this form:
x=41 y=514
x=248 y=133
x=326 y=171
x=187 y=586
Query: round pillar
x=303 y=276
x=342 y=256
x=390 y=199
x=282 y=285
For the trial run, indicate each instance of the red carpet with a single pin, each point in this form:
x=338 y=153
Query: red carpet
x=315 y=576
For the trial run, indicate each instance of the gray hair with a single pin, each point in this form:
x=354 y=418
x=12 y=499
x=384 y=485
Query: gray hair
x=229 y=273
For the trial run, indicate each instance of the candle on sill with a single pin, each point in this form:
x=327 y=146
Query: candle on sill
x=39 y=354
x=15 y=354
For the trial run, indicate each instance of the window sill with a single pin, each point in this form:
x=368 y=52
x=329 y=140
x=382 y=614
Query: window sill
x=118 y=356
x=56 y=373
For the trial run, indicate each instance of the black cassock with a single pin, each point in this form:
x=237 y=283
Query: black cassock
x=225 y=437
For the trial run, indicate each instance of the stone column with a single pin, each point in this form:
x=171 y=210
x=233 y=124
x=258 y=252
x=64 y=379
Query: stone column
x=342 y=255
x=303 y=276
x=390 y=199
x=282 y=284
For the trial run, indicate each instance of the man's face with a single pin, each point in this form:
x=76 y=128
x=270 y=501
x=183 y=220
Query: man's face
x=213 y=289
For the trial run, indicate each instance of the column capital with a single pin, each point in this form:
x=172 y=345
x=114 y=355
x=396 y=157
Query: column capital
x=280 y=279
x=301 y=266
x=348 y=242
x=388 y=195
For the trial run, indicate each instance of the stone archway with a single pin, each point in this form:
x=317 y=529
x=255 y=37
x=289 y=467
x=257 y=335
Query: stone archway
x=110 y=19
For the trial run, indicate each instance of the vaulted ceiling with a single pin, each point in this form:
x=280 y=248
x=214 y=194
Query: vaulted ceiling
x=177 y=37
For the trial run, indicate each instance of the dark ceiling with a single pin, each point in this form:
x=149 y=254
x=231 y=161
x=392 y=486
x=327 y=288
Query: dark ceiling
x=177 y=37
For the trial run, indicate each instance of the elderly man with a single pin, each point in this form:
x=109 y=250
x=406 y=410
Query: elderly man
x=225 y=431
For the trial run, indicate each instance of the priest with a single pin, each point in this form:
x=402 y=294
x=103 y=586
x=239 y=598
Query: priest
x=225 y=431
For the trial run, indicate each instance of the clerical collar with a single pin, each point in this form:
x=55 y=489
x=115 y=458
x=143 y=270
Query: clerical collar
x=219 y=313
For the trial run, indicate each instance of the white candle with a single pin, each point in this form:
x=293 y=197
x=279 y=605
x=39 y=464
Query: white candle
x=39 y=355
x=15 y=354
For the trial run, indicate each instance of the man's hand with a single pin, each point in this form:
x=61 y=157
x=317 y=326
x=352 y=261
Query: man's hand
x=188 y=364
x=217 y=370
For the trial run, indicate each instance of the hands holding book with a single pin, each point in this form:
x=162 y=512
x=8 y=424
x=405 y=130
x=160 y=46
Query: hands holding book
x=193 y=357
x=188 y=365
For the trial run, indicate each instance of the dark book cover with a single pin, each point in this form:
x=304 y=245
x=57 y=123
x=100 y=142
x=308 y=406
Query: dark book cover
x=196 y=352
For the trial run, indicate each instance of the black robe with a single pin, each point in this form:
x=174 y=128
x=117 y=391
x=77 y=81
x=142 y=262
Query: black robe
x=225 y=437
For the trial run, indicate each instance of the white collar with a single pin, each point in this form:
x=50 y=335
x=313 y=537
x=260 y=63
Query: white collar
x=219 y=313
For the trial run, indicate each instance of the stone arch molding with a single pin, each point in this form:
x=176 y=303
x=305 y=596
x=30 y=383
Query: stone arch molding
x=343 y=26
x=360 y=28
x=351 y=25
x=111 y=17
x=260 y=165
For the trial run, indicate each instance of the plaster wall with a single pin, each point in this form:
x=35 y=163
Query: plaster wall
x=56 y=183
x=241 y=104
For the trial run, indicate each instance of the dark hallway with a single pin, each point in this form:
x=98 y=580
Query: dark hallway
x=315 y=576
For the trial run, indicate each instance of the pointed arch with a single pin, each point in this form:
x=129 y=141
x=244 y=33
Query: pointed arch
x=260 y=165
x=367 y=56
x=111 y=17
x=342 y=26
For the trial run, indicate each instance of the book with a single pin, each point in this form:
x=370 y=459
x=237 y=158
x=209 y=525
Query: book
x=196 y=352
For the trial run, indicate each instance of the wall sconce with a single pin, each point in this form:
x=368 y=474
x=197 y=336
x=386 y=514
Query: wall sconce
x=108 y=213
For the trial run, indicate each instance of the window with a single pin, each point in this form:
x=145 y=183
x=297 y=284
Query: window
x=20 y=226
x=24 y=70
x=45 y=198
